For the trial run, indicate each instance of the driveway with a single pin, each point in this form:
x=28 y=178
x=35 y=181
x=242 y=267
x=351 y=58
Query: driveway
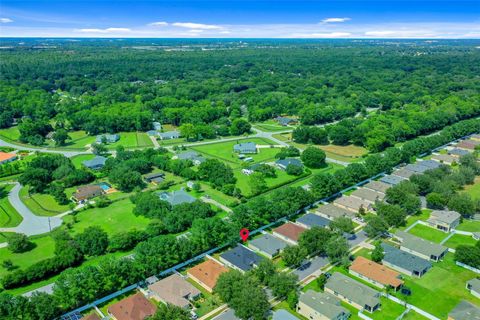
x=360 y=237
x=310 y=267
x=31 y=223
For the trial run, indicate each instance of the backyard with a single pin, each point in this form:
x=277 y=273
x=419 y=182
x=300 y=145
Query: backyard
x=428 y=233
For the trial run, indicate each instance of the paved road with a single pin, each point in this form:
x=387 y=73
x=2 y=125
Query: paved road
x=360 y=237
x=46 y=150
x=31 y=224
x=310 y=267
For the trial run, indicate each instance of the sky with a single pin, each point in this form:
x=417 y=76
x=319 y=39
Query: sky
x=240 y=19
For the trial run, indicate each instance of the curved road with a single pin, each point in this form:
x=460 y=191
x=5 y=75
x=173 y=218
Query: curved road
x=31 y=223
x=46 y=150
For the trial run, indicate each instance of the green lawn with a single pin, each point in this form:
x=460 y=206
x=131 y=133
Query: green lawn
x=270 y=126
x=9 y=217
x=243 y=180
x=216 y=195
x=207 y=302
x=412 y=315
x=424 y=215
x=132 y=140
x=428 y=233
x=42 y=204
x=11 y=133
x=469 y=225
x=388 y=310
x=441 y=288
x=78 y=160
x=79 y=139
x=474 y=189
x=459 y=239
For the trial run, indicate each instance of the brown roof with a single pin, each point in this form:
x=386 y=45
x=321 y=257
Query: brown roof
x=353 y=203
x=377 y=186
x=135 y=307
x=92 y=316
x=175 y=290
x=290 y=230
x=86 y=192
x=207 y=272
x=376 y=272
x=468 y=144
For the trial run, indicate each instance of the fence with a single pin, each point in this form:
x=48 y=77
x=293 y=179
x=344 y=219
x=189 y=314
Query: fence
x=466 y=266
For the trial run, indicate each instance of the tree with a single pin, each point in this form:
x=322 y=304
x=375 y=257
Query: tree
x=282 y=284
x=462 y=203
x=18 y=243
x=375 y=226
x=324 y=185
x=240 y=126
x=337 y=249
x=435 y=201
x=342 y=224
x=288 y=152
x=265 y=271
x=294 y=256
x=45 y=306
x=187 y=131
x=60 y=137
x=93 y=241
x=314 y=240
x=313 y=157
x=99 y=149
x=394 y=215
x=170 y=311
x=257 y=183
x=377 y=253
x=294 y=170
x=292 y=299
x=321 y=281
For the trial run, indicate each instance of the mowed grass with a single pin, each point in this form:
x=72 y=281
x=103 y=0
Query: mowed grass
x=9 y=217
x=11 y=133
x=441 y=288
x=78 y=160
x=79 y=139
x=428 y=233
x=469 y=225
x=474 y=189
x=459 y=239
x=388 y=310
x=412 y=315
x=42 y=204
x=243 y=181
x=132 y=140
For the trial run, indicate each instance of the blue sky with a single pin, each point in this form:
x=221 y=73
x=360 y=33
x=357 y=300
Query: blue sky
x=248 y=19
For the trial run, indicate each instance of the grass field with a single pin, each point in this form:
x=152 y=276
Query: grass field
x=132 y=140
x=42 y=204
x=9 y=217
x=428 y=233
x=469 y=225
x=78 y=160
x=412 y=315
x=79 y=139
x=459 y=239
x=270 y=126
x=388 y=310
x=11 y=133
x=243 y=181
x=474 y=189
x=441 y=288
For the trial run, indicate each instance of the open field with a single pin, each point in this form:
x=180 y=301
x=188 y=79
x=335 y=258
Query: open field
x=11 y=134
x=42 y=204
x=132 y=140
x=78 y=160
x=243 y=180
x=388 y=310
x=459 y=239
x=79 y=139
x=270 y=126
x=469 y=225
x=474 y=189
x=428 y=233
x=9 y=217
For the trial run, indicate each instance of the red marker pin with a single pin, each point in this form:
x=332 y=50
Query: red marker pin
x=244 y=234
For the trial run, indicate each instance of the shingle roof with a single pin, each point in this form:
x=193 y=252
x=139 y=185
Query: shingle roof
x=368 y=194
x=444 y=216
x=312 y=220
x=391 y=179
x=353 y=290
x=290 y=230
x=283 y=315
x=174 y=289
x=376 y=272
x=353 y=203
x=208 y=272
x=444 y=158
x=177 y=197
x=241 y=257
x=420 y=245
x=474 y=284
x=269 y=244
x=378 y=186
x=465 y=311
x=404 y=173
x=332 y=210
x=96 y=162
x=89 y=191
x=404 y=260
x=135 y=307
x=458 y=152
x=324 y=303
x=4 y=156
x=417 y=168
x=169 y=134
x=245 y=147
x=430 y=164
x=467 y=144
x=289 y=161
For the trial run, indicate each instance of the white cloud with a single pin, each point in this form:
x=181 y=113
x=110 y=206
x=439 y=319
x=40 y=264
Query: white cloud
x=327 y=35
x=379 y=33
x=196 y=31
x=191 y=25
x=225 y=32
x=107 y=30
x=158 y=24
x=5 y=20
x=335 y=20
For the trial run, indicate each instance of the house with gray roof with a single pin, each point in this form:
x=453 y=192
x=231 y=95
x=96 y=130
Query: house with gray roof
x=268 y=245
x=245 y=147
x=392 y=179
x=192 y=156
x=284 y=163
x=474 y=287
x=420 y=247
x=404 y=173
x=404 y=262
x=285 y=121
x=107 y=138
x=368 y=195
x=444 y=158
x=240 y=258
x=96 y=163
x=321 y=305
x=417 y=167
x=283 y=315
x=169 y=135
x=152 y=133
x=353 y=292
x=444 y=220
x=465 y=311
x=353 y=204
x=177 y=197
x=155 y=177
x=331 y=211
x=456 y=152
x=430 y=164
x=310 y=220
x=377 y=186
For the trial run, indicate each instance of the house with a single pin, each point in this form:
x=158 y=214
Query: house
x=284 y=121
x=353 y=292
x=376 y=274
x=353 y=204
x=444 y=158
x=332 y=211
x=268 y=245
x=289 y=232
x=192 y=156
x=135 y=307
x=176 y=197
x=107 y=138
x=156 y=126
x=155 y=177
x=96 y=163
x=404 y=173
x=169 y=135
x=85 y=193
x=206 y=273
x=321 y=306
x=175 y=290
x=377 y=186
x=391 y=179
x=368 y=195
x=417 y=168
x=283 y=315
x=6 y=157
x=444 y=220
x=310 y=220
x=420 y=247
x=240 y=258
x=456 y=152
x=465 y=311
x=475 y=137
x=430 y=164
x=404 y=262
x=245 y=148
x=467 y=145
x=474 y=287
x=284 y=163
x=152 y=133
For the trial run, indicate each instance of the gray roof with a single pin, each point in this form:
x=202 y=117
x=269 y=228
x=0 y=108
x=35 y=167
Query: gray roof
x=169 y=135
x=95 y=163
x=283 y=315
x=312 y=220
x=404 y=173
x=391 y=179
x=110 y=138
x=444 y=158
x=378 y=186
x=284 y=120
x=157 y=125
x=287 y=161
x=420 y=245
x=152 y=132
x=332 y=210
x=465 y=311
x=324 y=303
x=241 y=257
x=245 y=147
x=417 y=168
x=353 y=203
x=368 y=194
x=430 y=164
x=269 y=244
x=404 y=260
x=474 y=284
x=353 y=290
x=190 y=155
x=177 y=197
x=444 y=216
x=458 y=152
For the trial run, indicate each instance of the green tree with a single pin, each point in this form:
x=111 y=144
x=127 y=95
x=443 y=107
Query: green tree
x=377 y=253
x=294 y=256
x=313 y=157
x=170 y=311
x=240 y=126
x=257 y=183
x=337 y=249
x=282 y=284
x=342 y=224
x=18 y=243
x=60 y=137
x=93 y=241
